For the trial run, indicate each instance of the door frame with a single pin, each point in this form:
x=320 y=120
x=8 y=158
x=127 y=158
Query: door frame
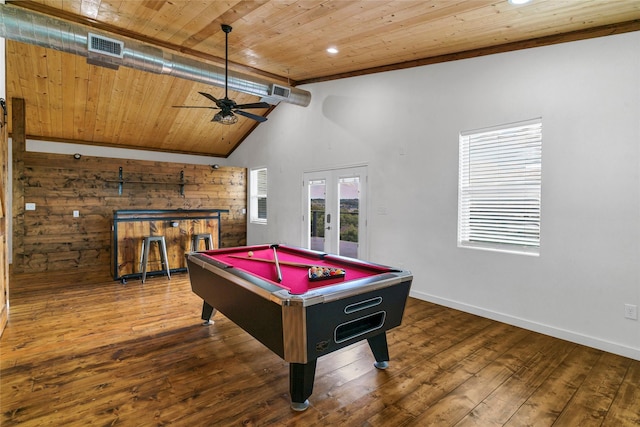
x=334 y=175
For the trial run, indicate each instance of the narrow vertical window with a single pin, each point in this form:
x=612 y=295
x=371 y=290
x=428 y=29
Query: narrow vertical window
x=499 y=190
x=258 y=199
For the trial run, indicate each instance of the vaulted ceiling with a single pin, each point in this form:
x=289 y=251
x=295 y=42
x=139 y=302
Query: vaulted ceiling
x=273 y=41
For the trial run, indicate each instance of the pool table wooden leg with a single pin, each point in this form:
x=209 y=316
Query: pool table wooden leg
x=301 y=377
x=207 y=312
x=380 y=349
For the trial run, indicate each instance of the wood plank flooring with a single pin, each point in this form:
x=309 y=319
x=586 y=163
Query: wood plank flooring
x=81 y=350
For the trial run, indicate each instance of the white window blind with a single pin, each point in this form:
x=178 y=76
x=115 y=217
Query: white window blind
x=258 y=202
x=499 y=188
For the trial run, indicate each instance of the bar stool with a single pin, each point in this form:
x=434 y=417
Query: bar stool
x=205 y=237
x=144 y=254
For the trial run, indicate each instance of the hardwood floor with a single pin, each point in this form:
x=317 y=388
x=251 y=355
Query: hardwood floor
x=82 y=350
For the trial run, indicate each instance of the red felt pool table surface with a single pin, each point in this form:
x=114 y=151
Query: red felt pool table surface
x=294 y=278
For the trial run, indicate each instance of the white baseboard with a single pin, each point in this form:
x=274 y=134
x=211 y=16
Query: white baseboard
x=611 y=347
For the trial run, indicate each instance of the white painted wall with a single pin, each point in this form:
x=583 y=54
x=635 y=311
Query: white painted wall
x=39 y=146
x=404 y=125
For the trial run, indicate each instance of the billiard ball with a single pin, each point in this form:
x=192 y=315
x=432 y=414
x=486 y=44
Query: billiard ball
x=250 y=254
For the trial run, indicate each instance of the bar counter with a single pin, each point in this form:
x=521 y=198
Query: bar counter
x=178 y=226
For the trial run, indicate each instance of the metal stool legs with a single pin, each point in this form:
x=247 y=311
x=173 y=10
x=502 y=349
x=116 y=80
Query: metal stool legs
x=195 y=241
x=144 y=255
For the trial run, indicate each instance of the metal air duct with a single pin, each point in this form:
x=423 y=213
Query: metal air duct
x=38 y=29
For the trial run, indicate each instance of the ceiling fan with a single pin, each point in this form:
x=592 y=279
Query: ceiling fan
x=228 y=106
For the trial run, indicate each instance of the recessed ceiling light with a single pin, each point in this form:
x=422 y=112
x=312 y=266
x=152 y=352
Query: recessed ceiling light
x=516 y=2
x=332 y=50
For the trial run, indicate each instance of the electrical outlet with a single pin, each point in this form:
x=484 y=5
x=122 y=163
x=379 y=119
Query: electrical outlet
x=631 y=311
x=76 y=214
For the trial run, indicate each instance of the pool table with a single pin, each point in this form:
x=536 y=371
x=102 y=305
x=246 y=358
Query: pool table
x=297 y=314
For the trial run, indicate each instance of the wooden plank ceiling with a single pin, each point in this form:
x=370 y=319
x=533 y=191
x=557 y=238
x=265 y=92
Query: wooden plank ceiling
x=282 y=41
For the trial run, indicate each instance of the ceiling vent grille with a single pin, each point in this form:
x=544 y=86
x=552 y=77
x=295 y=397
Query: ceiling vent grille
x=280 y=92
x=105 y=46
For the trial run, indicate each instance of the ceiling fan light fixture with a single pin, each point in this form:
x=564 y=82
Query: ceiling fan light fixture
x=228 y=119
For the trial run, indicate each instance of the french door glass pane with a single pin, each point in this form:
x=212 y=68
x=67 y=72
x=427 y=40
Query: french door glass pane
x=317 y=197
x=349 y=195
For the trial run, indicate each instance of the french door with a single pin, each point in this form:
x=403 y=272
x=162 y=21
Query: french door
x=335 y=214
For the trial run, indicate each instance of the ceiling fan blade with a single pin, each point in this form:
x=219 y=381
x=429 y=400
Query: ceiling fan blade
x=193 y=106
x=254 y=105
x=206 y=95
x=251 y=116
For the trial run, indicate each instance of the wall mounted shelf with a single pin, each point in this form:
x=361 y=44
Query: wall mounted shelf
x=121 y=181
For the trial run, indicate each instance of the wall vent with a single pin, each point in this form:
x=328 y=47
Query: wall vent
x=105 y=46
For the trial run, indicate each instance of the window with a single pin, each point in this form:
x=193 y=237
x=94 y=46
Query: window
x=499 y=188
x=258 y=199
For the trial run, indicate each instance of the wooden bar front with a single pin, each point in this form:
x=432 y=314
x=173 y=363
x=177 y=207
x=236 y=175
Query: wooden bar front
x=177 y=226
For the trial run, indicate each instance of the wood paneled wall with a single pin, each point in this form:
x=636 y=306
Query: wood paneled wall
x=49 y=238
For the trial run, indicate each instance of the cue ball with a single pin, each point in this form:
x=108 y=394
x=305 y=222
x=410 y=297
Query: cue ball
x=250 y=254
